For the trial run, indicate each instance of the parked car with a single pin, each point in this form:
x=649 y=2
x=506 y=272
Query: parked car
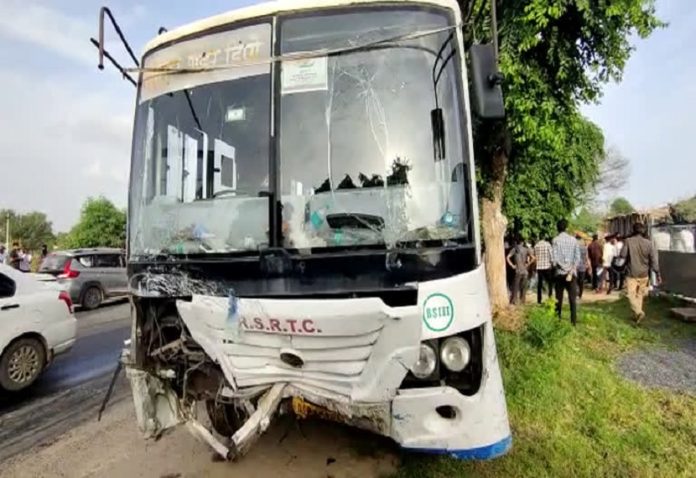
x=37 y=325
x=89 y=275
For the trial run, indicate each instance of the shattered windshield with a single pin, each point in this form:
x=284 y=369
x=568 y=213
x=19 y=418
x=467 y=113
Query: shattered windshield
x=369 y=144
x=200 y=172
x=361 y=160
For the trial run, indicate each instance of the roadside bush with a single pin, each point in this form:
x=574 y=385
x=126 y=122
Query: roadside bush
x=543 y=329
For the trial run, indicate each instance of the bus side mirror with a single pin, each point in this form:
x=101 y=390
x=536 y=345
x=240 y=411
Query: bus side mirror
x=485 y=82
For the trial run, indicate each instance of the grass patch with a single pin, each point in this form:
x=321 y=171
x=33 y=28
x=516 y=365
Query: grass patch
x=571 y=414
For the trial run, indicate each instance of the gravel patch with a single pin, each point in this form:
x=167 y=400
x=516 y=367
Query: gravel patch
x=672 y=368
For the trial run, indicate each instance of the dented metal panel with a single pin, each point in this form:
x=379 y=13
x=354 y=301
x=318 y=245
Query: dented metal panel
x=353 y=378
x=156 y=406
x=478 y=421
x=356 y=347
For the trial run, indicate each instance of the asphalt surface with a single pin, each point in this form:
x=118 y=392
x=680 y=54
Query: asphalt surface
x=72 y=388
x=672 y=367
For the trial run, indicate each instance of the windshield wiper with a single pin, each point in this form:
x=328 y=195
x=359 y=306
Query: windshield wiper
x=437 y=120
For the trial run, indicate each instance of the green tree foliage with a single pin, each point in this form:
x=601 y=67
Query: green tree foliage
x=555 y=55
x=620 y=206
x=62 y=240
x=549 y=175
x=586 y=220
x=684 y=211
x=31 y=230
x=101 y=224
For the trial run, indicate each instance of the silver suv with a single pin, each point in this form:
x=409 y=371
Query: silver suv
x=89 y=275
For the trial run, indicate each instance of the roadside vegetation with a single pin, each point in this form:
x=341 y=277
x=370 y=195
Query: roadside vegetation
x=571 y=412
x=101 y=224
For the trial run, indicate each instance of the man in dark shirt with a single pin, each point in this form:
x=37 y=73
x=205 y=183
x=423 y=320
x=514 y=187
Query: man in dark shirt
x=594 y=252
x=519 y=258
x=566 y=255
x=641 y=258
x=15 y=260
x=583 y=263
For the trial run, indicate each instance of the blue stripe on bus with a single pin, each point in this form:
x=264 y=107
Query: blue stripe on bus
x=481 y=453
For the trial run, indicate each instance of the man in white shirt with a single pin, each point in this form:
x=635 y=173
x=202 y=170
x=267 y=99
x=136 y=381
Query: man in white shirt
x=609 y=252
x=25 y=261
x=2 y=254
x=619 y=273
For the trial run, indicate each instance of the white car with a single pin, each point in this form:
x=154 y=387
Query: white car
x=36 y=324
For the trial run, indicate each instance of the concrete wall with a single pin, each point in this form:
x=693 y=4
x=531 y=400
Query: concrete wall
x=678 y=272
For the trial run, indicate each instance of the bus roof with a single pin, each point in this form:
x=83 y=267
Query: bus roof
x=274 y=7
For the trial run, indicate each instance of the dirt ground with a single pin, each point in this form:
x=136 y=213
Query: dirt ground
x=114 y=448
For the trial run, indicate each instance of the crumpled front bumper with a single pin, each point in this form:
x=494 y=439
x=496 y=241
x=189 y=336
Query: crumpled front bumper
x=476 y=426
x=477 y=430
x=353 y=357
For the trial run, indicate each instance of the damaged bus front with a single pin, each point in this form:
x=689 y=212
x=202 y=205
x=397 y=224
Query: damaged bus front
x=303 y=231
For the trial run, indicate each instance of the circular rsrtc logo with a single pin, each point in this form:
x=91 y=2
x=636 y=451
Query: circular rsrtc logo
x=438 y=312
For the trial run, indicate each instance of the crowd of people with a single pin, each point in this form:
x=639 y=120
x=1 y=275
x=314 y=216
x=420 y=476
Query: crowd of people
x=567 y=264
x=19 y=257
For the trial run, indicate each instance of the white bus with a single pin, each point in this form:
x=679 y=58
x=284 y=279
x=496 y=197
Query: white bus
x=303 y=227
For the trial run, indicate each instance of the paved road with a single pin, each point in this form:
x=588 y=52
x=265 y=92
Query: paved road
x=72 y=389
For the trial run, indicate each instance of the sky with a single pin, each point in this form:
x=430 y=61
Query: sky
x=65 y=126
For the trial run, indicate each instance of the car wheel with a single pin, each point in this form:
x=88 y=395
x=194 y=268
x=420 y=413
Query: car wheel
x=21 y=364
x=91 y=298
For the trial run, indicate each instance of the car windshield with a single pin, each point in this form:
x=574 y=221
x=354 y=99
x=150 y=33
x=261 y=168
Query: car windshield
x=369 y=147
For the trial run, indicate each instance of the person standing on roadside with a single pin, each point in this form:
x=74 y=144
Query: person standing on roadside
x=641 y=259
x=509 y=270
x=44 y=254
x=617 y=266
x=544 y=267
x=583 y=264
x=25 y=262
x=594 y=253
x=566 y=255
x=608 y=255
x=15 y=258
x=519 y=258
x=2 y=254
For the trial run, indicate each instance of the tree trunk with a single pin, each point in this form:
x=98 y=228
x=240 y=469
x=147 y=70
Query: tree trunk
x=493 y=226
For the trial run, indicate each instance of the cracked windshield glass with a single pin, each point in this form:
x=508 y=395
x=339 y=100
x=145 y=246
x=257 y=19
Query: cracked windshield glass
x=370 y=129
x=200 y=180
x=359 y=163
